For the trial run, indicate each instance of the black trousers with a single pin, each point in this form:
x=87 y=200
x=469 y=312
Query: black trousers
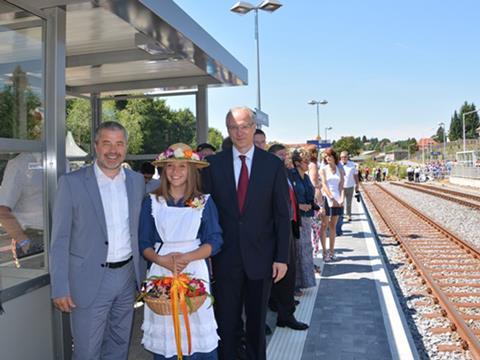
x=282 y=296
x=233 y=291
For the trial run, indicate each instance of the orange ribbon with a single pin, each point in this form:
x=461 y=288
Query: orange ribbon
x=177 y=294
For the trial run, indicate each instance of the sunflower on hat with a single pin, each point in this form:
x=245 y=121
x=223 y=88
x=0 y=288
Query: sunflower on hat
x=178 y=152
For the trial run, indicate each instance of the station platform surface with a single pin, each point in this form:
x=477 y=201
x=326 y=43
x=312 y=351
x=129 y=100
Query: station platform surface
x=352 y=312
x=347 y=320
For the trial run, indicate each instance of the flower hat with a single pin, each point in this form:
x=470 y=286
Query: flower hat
x=179 y=151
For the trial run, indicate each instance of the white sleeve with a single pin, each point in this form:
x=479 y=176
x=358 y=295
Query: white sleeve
x=11 y=188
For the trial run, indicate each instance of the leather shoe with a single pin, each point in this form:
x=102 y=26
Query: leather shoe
x=292 y=324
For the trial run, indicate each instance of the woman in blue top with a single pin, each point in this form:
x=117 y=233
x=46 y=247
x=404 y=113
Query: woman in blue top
x=305 y=191
x=177 y=220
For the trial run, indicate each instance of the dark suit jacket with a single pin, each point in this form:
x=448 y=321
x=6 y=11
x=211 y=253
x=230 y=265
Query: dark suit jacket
x=260 y=235
x=295 y=224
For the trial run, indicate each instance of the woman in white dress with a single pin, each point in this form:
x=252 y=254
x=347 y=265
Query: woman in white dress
x=332 y=188
x=177 y=220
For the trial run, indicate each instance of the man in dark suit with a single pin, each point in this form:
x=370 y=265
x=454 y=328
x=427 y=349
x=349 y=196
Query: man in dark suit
x=250 y=189
x=282 y=299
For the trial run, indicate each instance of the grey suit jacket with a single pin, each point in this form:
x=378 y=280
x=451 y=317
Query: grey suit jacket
x=79 y=241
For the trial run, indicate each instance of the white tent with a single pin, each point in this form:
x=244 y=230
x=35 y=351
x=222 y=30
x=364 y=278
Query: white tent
x=72 y=149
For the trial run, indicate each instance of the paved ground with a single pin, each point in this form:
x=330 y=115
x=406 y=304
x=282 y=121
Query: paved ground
x=347 y=321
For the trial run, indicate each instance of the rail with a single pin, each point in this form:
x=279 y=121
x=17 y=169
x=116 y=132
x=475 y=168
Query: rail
x=420 y=259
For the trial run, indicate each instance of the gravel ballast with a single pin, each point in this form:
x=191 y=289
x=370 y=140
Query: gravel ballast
x=461 y=220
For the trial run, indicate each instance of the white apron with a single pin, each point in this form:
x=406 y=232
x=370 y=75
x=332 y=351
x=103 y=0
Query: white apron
x=178 y=228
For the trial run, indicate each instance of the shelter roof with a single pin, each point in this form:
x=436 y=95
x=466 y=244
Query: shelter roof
x=120 y=46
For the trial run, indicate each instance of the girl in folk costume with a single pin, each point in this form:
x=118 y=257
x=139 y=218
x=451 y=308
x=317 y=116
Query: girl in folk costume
x=178 y=230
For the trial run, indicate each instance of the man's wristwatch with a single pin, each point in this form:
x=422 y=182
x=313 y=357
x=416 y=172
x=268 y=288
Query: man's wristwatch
x=23 y=243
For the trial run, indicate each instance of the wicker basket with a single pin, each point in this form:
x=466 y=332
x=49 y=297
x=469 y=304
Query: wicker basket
x=163 y=306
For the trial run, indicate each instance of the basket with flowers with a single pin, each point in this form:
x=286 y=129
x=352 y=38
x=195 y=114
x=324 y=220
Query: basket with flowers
x=158 y=295
x=175 y=295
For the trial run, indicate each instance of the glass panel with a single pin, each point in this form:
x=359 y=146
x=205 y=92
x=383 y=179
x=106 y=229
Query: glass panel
x=78 y=123
x=21 y=217
x=21 y=74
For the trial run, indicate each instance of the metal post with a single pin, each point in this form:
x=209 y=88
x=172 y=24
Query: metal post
x=325 y=139
x=96 y=118
x=55 y=141
x=201 y=101
x=444 y=144
x=318 y=121
x=259 y=101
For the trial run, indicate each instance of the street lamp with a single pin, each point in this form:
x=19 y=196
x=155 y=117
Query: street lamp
x=442 y=124
x=326 y=129
x=463 y=125
x=243 y=7
x=316 y=102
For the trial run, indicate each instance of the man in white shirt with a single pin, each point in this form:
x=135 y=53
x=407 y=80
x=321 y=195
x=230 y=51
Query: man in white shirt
x=94 y=240
x=250 y=189
x=350 y=183
x=21 y=202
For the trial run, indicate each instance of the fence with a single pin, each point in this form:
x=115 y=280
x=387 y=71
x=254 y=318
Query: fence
x=452 y=148
x=466 y=172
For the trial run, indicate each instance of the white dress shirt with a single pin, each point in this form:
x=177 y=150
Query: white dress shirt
x=237 y=163
x=350 y=171
x=22 y=189
x=115 y=207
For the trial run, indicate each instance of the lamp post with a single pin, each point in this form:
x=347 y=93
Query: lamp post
x=442 y=124
x=242 y=8
x=318 y=103
x=463 y=126
x=326 y=129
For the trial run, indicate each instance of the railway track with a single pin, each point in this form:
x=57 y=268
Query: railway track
x=447 y=266
x=466 y=199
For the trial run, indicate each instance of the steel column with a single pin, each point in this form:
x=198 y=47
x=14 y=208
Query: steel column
x=201 y=101
x=55 y=157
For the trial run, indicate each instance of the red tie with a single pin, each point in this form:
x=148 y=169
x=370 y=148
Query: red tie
x=242 y=184
x=293 y=201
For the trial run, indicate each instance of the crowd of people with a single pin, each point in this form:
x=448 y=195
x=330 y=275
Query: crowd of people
x=433 y=170
x=248 y=219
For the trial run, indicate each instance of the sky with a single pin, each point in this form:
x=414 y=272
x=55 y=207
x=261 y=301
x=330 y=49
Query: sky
x=393 y=69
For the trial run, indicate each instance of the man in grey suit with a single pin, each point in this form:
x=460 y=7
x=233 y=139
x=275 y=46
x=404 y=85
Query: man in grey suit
x=94 y=240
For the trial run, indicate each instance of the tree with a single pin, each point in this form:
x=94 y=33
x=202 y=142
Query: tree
x=348 y=143
x=215 y=137
x=471 y=120
x=10 y=118
x=383 y=143
x=160 y=125
x=455 y=131
x=438 y=137
x=78 y=121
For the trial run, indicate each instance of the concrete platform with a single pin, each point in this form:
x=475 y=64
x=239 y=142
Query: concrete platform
x=353 y=312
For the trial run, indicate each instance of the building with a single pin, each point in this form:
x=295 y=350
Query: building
x=50 y=49
x=396 y=155
x=426 y=143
